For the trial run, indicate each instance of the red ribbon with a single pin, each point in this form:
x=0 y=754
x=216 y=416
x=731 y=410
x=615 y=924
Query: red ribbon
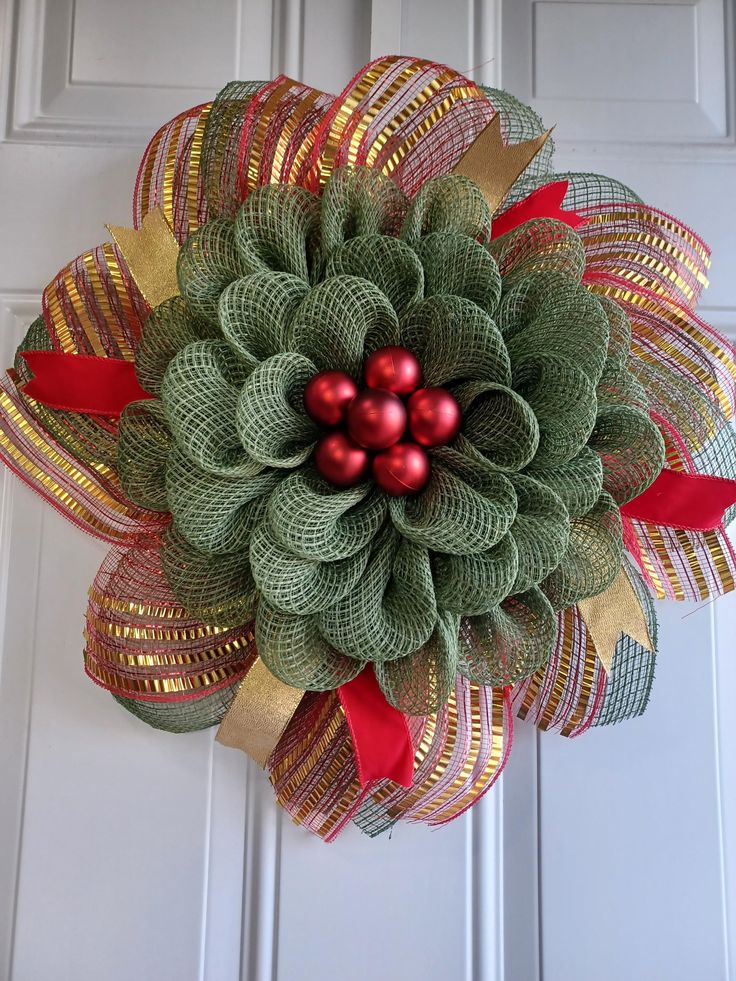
x=82 y=382
x=381 y=739
x=545 y=202
x=683 y=500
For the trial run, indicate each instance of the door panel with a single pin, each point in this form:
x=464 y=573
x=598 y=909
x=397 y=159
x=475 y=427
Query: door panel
x=130 y=853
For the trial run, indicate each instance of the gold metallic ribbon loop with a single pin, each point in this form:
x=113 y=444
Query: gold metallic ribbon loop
x=150 y=253
x=613 y=612
x=258 y=715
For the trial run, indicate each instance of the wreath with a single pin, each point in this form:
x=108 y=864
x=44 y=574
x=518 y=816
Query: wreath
x=393 y=432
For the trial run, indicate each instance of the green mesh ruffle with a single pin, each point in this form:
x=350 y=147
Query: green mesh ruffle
x=520 y=516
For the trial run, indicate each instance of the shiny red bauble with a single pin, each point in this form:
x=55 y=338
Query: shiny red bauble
x=434 y=416
x=340 y=460
x=376 y=419
x=401 y=469
x=394 y=369
x=327 y=396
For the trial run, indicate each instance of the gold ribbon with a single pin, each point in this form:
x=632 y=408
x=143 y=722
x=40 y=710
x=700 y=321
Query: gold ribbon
x=495 y=165
x=150 y=253
x=258 y=715
x=612 y=613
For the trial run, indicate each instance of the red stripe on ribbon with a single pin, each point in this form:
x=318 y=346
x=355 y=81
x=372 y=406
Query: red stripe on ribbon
x=683 y=500
x=381 y=739
x=82 y=382
x=545 y=202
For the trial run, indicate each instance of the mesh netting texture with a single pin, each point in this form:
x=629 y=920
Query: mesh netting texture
x=520 y=517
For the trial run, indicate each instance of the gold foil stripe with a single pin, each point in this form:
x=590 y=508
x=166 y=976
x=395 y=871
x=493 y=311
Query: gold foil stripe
x=54 y=489
x=259 y=136
x=408 y=111
x=151 y=155
x=172 y=152
x=121 y=290
x=397 y=119
x=663 y=221
x=343 y=758
x=290 y=126
x=165 y=634
x=195 y=159
x=418 y=132
x=149 y=610
x=586 y=689
x=440 y=809
x=160 y=658
x=67 y=342
x=354 y=98
x=160 y=686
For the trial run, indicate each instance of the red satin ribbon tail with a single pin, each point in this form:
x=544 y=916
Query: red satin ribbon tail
x=692 y=502
x=381 y=739
x=545 y=202
x=82 y=382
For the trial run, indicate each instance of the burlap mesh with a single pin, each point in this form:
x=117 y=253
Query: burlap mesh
x=295 y=285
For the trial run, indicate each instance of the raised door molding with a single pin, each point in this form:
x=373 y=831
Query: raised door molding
x=654 y=74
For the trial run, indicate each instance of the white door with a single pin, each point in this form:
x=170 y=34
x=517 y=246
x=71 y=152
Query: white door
x=127 y=853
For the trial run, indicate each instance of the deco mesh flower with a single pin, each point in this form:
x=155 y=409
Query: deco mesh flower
x=593 y=468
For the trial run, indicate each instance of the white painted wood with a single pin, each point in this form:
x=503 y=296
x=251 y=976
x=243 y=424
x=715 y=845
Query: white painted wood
x=129 y=853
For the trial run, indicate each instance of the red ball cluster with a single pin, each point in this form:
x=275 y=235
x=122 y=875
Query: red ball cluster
x=391 y=418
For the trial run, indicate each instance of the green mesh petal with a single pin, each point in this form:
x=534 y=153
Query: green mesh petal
x=200 y=392
x=293 y=649
x=451 y=203
x=536 y=246
x=297 y=585
x=593 y=556
x=455 y=341
x=510 y=642
x=216 y=513
x=563 y=400
x=421 y=683
x=619 y=331
x=631 y=449
x=578 y=483
x=522 y=302
x=474 y=584
x=341 y=321
x=458 y=515
x=541 y=531
x=217 y=589
x=458 y=265
x=255 y=313
x=315 y=520
x=274 y=229
x=569 y=324
x=391 y=612
x=208 y=262
x=271 y=421
x=169 y=328
x=359 y=201
x=144 y=442
x=386 y=262
x=499 y=423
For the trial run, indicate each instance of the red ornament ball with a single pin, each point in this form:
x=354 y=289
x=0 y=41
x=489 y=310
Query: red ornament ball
x=327 y=396
x=434 y=416
x=401 y=469
x=340 y=460
x=376 y=419
x=393 y=368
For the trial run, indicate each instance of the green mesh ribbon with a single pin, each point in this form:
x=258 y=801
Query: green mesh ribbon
x=520 y=517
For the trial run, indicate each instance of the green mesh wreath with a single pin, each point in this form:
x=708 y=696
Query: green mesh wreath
x=520 y=516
